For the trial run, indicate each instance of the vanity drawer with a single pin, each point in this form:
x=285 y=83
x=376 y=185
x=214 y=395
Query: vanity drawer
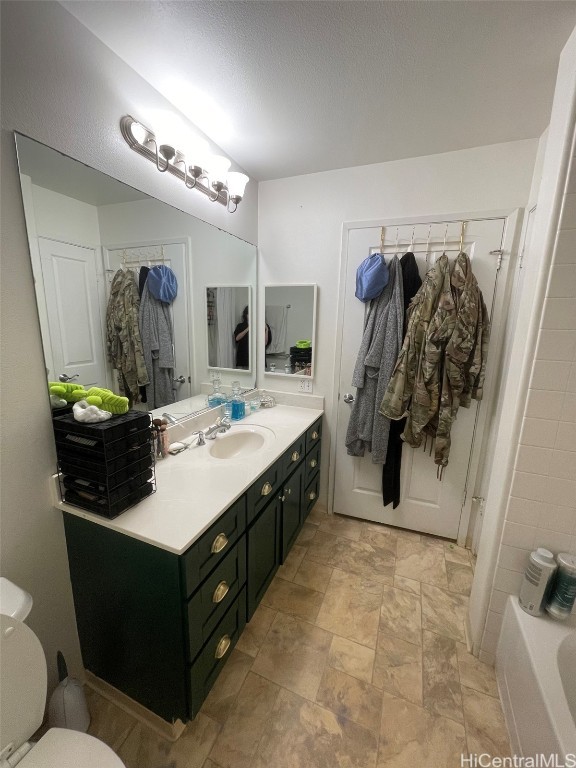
x=213 y=656
x=312 y=463
x=213 y=546
x=293 y=456
x=263 y=489
x=215 y=596
x=313 y=434
x=310 y=496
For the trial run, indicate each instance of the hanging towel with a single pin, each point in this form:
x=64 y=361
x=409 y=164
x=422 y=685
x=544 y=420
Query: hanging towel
x=381 y=341
x=277 y=319
x=158 y=345
x=411 y=282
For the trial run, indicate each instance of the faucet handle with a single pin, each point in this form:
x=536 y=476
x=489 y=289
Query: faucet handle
x=223 y=420
x=201 y=437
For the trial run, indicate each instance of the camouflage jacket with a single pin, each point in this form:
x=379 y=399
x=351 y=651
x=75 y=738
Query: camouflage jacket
x=408 y=368
x=123 y=340
x=465 y=354
x=442 y=362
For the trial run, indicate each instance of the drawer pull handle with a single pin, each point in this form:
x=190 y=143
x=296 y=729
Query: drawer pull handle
x=295 y=456
x=220 y=592
x=222 y=647
x=219 y=543
x=266 y=489
x=313 y=463
x=312 y=495
x=315 y=435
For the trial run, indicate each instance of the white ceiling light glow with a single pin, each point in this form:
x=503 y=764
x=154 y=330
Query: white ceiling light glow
x=199 y=169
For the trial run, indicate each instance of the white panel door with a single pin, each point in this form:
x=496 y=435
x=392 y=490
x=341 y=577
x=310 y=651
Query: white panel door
x=71 y=291
x=174 y=256
x=427 y=504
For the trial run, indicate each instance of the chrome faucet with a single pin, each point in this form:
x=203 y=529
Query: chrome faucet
x=221 y=425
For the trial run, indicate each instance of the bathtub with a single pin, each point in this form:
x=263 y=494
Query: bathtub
x=536 y=672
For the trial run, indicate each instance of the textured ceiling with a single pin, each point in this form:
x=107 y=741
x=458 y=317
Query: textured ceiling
x=287 y=88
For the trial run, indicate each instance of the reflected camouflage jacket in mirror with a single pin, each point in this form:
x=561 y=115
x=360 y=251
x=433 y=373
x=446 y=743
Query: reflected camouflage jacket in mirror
x=123 y=340
x=443 y=358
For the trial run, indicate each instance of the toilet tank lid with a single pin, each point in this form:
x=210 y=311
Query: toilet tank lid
x=14 y=601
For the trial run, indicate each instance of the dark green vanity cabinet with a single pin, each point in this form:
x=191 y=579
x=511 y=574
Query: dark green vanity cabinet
x=160 y=626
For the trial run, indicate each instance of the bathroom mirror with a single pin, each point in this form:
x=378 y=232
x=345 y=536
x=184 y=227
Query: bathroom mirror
x=83 y=226
x=228 y=312
x=290 y=326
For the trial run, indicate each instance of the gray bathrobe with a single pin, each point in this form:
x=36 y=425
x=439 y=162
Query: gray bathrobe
x=381 y=343
x=158 y=346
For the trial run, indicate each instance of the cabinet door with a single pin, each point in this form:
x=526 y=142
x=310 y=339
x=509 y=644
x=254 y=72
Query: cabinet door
x=263 y=552
x=291 y=509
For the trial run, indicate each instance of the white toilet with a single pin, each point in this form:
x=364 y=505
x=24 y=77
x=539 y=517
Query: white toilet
x=23 y=683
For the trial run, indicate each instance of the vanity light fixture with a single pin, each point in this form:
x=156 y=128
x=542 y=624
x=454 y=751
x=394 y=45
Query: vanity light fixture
x=209 y=174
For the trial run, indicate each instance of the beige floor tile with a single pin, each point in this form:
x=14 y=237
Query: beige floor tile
x=408 y=585
x=351 y=607
x=411 y=737
x=307 y=533
x=440 y=679
x=350 y=698
x=357 y=557
x=432 y=541
x=294 y=655
x=145 y=749
x=221 y=698
x=403 y=734
x=455 y=554
x=301 y=734
x=416 y=560
x=459 y=577
x=292 y=598
x=209 y=763
x=241 y=734
x=485 y=726
x=289 y=567
x=400 y=615
x=108 y=722
x=444 y=612
x=317 y=516
x=398 y=668
x=350 y=657
x=474 y=673
x=313 y=575
x=382 y=542
x=255 y=631
x=348 y=527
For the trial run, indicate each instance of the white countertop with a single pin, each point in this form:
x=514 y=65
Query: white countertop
x=193 y=488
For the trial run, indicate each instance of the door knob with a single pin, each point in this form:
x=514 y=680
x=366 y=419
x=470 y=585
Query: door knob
x=64 y=377
x=348 y=398
x=180 y=380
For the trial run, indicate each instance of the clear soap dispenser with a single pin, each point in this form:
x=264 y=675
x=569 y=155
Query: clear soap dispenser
x=216 y=397
x=238 y=405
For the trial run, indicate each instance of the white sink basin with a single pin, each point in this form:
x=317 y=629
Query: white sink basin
x=240 y=441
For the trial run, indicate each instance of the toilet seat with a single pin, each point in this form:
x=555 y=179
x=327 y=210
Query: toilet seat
x=61 y=748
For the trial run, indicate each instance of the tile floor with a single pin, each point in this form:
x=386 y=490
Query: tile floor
x=356 y=658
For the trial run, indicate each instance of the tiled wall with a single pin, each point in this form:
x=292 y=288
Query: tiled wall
x=542 y=505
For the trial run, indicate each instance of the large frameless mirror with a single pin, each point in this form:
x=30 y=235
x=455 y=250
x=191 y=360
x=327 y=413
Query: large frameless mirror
x=290 y=326
x=89 y=235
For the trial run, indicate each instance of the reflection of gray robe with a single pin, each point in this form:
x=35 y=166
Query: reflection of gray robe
x=158 y=346
x=381 y=343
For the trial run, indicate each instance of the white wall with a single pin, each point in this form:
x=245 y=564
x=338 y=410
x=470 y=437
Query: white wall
x=300 y=226
x=532 y=494
x=61 y=86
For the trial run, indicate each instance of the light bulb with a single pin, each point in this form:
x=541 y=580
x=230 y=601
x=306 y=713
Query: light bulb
x=140 y=134
x=237 y=184
x=216 y=168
